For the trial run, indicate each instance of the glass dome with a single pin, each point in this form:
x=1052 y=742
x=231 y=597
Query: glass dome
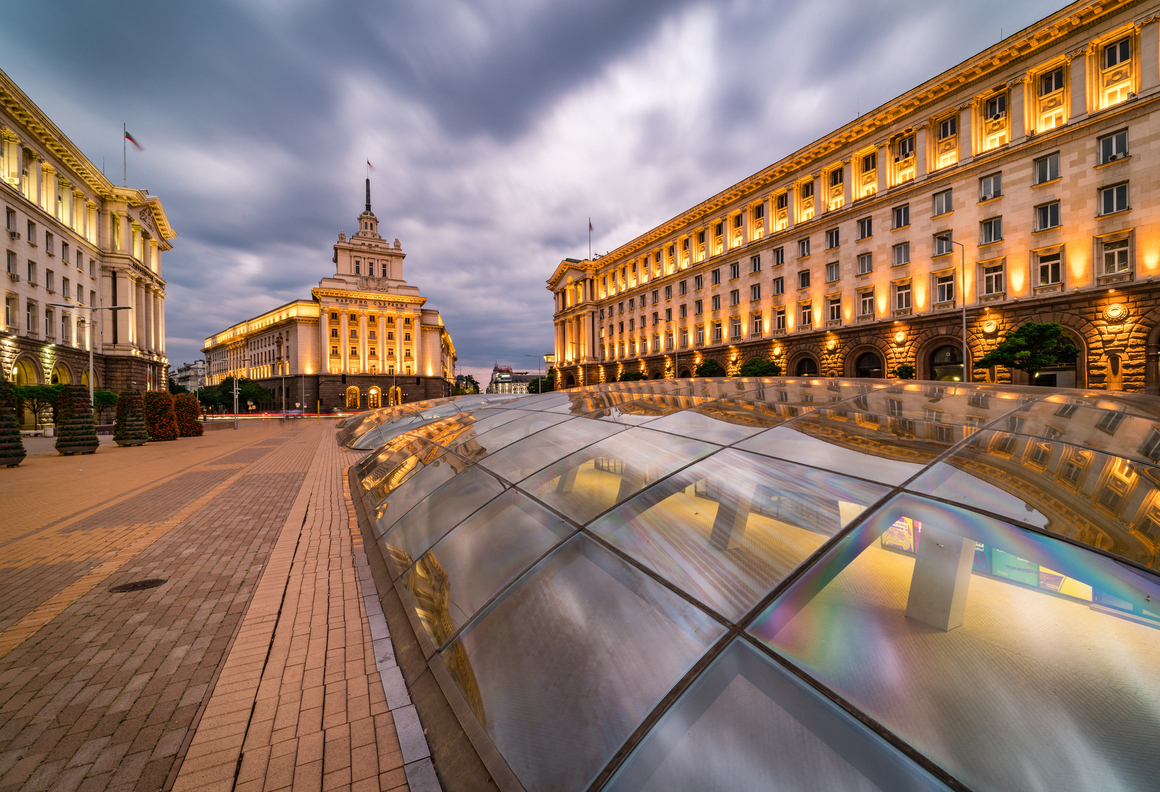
x=792 y=584
x=370 y=429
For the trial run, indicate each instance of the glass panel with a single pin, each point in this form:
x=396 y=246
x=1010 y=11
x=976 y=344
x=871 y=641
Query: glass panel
x=724 y=421
x=879 y=448
x=1110 y=429
x=430 y=520
x=954 y=404
x=541 y=401
x=382 y=472
x=602 y=475
x=1102 y=500
x=457 y=576
x=520 y=460
x=730 y=528
x=1011 y=659
x=747 y=724
x=477 y=444
x=565 y=664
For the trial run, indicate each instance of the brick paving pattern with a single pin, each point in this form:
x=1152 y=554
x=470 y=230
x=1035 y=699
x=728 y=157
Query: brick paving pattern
x=251 y=668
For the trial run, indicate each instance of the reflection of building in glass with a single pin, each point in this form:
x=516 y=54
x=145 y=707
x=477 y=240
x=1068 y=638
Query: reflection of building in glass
x=365 y=340
x=736 y=563
x=844 y=258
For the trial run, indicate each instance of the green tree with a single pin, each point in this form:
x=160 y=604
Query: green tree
x=37 y=399
x=904 y=371
x=248 y=391
x=543 y=384
x=759 y=367
x=631 y=376
x=1032 y=347
x=709 y=368
x=174 y=387
x=470 y=385
x=102 y=402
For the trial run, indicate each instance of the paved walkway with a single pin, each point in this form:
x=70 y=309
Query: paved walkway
x=252 y=668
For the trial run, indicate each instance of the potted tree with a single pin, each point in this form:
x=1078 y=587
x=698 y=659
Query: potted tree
x=75 y=431
x=188 y=412
x=130 y=429
x=11 y=444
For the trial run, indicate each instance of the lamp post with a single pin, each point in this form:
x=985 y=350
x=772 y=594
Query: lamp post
x=963 y=295
x=540 y=365
x=90 y=309
x=244 y=360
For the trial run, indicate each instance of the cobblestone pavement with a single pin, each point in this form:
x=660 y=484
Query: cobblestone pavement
x=251 y=668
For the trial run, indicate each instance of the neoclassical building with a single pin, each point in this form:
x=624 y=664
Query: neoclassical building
x=365 y=339
x=76 y=244
x=1020 y=184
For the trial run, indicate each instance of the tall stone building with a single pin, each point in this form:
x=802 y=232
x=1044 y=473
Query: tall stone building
x=76 y=245
x=1020 y=184
x=365 y=339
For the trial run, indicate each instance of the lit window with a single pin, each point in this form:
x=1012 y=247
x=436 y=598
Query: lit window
x=993 y=280
x=1047 y=168
x=991 y=230
x=1117 y=53
x=947 y=128
x=990 y=187
x=995 y=107
x=901 y=216
x=1049 y=268
x=779 y=319
x=803 y=247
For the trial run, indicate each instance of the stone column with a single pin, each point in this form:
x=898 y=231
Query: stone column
x=1078 y=89
x=344 y=335
x=417 y=340
x=324 y=339
x=790 y=204
x=966 y=131
x=1149 y=55
x=920 y=153
x=364 y=353
x=161 y=322
x=884 y=163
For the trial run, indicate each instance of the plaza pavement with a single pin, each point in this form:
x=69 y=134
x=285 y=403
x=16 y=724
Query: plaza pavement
x=256 y=666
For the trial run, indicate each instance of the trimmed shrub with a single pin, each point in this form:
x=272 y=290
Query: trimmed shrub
x=187 y=409
x=11 y=443
x=759 y=367
x=904 y=371
x=130 y=429
x=160 y=422
x=75 y=431
x=709 y=368
x=631 y=376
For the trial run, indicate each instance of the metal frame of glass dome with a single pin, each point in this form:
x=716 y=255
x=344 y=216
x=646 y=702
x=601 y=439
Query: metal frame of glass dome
x=872 y=468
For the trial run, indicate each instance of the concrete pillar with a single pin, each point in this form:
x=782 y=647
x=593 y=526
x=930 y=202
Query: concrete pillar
x=145 y=320
x=1078 y=90
x=1149 y=55
x=942 y=575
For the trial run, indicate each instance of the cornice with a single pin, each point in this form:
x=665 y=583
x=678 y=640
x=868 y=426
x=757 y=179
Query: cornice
x=1018 y=47
x=361 y=295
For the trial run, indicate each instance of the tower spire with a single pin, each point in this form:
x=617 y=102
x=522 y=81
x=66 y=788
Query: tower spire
x=368 y=193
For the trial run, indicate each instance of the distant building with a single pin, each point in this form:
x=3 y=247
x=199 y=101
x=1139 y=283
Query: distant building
x=504 y=380
x=76 y=243
x=363 y=340
x=191 y=376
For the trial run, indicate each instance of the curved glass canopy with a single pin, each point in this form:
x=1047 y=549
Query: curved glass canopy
x=790 y=584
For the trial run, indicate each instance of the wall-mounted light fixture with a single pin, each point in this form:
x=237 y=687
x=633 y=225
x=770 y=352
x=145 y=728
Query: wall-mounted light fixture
x=900 y=336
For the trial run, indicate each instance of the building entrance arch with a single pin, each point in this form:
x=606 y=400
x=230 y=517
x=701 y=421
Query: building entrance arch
x=569 y=381
x=374 y=398
x=352 y=397
x=61 y=375
x=25 y=373
x=946 y=363
x=868 y=365
x=806 y=366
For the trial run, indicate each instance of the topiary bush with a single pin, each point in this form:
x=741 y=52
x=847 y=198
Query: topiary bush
x=187 y=409
x=709 y=368
x=130 y=429
x=759 y=367
x=75 y=431
x=11 y=443
x=160 y=422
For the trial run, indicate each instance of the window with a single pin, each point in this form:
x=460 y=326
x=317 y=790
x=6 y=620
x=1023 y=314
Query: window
x=32 y=273
x=1117 y=53
x=755 y=291
x=669 y=292
x=803 y=247
x=902 y=216
x=995 y=107
x=698 y=308
x=835 y=177
x=947 y=128
x=807 y=315
x=779 y=285
x=905 y=147
x=11 y=262
x=944 y=287
x=804 y=279
x=683 y=288
x=783 y=201
x=832 y=272
x=48 y=243
x=756 y=324
x=1114 y=199
x=1047 y=216
x=64 y=252
x=683 y=311
x=1115 y=257
x=735 y=270
x=354 y=318
x=943 y=243
x=631 y=325
x=1051 y=82
x=717 y=332
x=334 y=332
x=1047 y=168
x=993 y=280
x=684 y=337
x=700 y=334
x=779 y=319
x=1114 y=146
x=65 y=287
x=656 y=319
x=656 y=295
x=778 y=256
x=866 y=303
x=901 y=254
x=715 y=277
x=735 y=297
x=869 y=162
x=1151 y=447
x=865 y=263
x=807 y=190
x=716 y=302
x=49 y=281
x=991 y=230
x=735 y=326
x=834 y=309
x=698 y=282
x=942 y=202
x=759 y=212
x=755 y=264
x=990 y=187
x=832 y=239
x=1049 y=268
x=632 y=303
x=865 y=228
x=902 y=296
x=357 y=267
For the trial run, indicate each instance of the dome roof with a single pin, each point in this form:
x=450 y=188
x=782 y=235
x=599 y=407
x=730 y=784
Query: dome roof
x=787 y=584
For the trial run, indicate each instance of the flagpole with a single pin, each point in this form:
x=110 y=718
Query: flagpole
x=589 y=238
x=124 y=155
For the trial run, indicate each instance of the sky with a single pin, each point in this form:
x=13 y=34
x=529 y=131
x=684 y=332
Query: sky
x=496 y=128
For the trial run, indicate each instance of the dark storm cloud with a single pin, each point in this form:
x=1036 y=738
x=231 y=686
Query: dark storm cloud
x=496 y=128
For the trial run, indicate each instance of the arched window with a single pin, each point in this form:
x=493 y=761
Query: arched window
x=806 y=367
x=868 y=364
x=374 y=398
x=352 y=397
x=946 y=363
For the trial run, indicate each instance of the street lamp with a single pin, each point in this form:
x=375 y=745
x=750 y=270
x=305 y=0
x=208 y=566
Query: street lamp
x=90 y=309
x=244 y=360
x=963 y=294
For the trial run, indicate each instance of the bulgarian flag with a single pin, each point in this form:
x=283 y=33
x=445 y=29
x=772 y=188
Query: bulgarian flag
x=133 y=140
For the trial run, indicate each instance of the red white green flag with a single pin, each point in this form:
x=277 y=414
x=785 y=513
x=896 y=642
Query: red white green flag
x=133 y=140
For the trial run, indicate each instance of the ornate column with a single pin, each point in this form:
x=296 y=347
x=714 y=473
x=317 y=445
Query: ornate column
x=324 y=339
x=362 y=342
x=344 y=335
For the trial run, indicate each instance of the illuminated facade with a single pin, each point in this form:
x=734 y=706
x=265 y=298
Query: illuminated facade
x=504 y=380
x=75 y=244
x=364 y=333
x=1021 y=178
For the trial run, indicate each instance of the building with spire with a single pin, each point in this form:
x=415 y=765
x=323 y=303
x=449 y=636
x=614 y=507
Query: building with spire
x=365 y=338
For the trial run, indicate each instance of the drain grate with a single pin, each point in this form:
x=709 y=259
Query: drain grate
x=137 y=585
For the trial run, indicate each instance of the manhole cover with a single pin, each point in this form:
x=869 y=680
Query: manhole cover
x=138 y=585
